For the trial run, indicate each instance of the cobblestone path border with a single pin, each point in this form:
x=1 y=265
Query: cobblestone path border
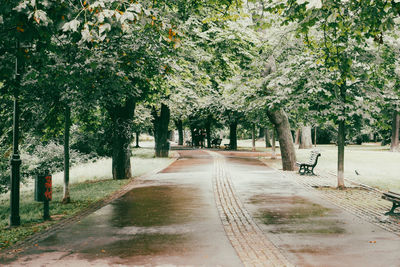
x=250 y=243
x=362 y=201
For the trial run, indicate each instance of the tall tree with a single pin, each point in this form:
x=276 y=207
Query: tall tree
x=394 y=145
x=306 y=141
x=161 y=119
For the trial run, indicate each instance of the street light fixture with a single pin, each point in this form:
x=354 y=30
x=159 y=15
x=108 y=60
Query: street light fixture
x=15 y=159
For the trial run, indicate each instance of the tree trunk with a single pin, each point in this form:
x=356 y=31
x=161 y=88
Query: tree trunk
x=122 y=117
x=193 y=135
x=273 y=144
x=315 y=136
x=66 y=196
x=161 y=123
x=233 y=135
x=261 y=132
x=341 y=143
x=280 y=120
x=394 y=145
x=267 y=138
x=179 y=126
x=297 y=137
x=171 y=135
x=208 y=132
x=341 y=138
x=305 y=140
x=137 y=139
x=253 y=137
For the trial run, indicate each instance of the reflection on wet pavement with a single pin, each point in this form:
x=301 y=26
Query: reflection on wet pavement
x=153 y=206
x=139 y=245
x=296 y=215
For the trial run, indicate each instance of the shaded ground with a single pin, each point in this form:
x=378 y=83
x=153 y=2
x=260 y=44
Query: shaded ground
x=173 y=219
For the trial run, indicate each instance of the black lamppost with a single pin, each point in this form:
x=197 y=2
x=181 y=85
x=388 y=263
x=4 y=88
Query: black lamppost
x=15 y=160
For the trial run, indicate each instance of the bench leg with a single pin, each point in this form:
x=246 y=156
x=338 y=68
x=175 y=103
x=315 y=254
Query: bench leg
x=391 y=212
x=306 y=170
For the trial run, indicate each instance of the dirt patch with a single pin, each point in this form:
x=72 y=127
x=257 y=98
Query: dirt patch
x=294 y=214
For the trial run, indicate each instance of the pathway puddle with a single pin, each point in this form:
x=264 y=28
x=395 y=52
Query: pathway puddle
x=140 y=245
x=154 y=206
x=148 y=221
x=294 y=214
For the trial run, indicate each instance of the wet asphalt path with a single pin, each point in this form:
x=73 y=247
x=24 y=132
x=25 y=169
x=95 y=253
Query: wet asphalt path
x=210 y=210
x=307 y=229
x=171 y=220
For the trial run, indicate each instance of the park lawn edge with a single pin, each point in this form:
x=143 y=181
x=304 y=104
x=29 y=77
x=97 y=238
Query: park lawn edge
x=30 y=233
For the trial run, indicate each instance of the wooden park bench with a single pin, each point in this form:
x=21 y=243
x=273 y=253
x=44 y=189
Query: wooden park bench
x=308 y=167
x=394 y=198
x=216 y=143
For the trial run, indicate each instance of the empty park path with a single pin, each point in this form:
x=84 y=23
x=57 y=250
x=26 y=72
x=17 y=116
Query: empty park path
x=214 y=209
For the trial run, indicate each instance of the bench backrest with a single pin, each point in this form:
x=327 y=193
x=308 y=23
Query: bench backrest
x=392 y=194
x=216 y=141
x=314 y=158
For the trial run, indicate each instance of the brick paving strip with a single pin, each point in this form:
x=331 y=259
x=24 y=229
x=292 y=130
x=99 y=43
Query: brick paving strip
x=20 y=246
x=250 y=243
x=358 y=199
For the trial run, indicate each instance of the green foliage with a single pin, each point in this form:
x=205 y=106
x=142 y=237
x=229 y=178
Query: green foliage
x=210 y=61
x=38 y=157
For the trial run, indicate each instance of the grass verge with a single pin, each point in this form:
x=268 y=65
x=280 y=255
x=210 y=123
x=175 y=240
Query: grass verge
x=31 y=212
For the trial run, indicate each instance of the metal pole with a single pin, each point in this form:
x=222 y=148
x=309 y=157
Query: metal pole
x=15 y=160
x=46 y=210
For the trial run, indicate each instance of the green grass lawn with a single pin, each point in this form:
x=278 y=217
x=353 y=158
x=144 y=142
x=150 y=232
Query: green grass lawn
x=89 y=183
x=376 y=165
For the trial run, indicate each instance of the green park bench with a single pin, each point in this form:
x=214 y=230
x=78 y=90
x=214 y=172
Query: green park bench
x=394 y=198
x=227 y=146
x=308 y=167
x=216 y=143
